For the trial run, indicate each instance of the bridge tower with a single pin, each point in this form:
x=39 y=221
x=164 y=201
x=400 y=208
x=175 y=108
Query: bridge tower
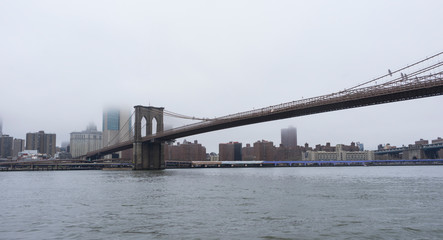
x=148 y=155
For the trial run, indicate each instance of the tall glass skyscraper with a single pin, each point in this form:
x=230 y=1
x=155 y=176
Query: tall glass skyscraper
x=116 y=126
x=111 y=120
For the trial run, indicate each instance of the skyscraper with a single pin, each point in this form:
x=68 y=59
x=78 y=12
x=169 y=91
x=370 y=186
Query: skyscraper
x=117 y=128
x=289 y=137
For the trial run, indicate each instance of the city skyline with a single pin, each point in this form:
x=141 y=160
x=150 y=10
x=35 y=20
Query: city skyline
x=208 y=59
x=372 y=146
x=371 y=168
x=283 y=134
x=90 y=139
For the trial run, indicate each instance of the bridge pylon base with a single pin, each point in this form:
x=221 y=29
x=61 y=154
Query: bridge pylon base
x=149 y=156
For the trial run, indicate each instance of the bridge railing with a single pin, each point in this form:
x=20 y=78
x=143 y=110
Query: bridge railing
x=398 y=85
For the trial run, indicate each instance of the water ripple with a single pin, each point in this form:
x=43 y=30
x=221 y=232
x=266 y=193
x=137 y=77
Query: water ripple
x=244 y=203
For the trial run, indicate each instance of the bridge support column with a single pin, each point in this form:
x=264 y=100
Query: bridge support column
x=148 y=155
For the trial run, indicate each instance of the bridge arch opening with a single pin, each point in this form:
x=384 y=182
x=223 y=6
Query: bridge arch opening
x=144 y=127
x=154 y=125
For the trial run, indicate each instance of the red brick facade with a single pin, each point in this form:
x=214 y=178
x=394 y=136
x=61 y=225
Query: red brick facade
x=186 y=151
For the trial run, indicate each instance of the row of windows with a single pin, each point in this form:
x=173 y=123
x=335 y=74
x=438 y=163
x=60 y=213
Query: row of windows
x=86 y=137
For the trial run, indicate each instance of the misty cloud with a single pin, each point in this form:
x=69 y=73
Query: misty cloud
x=63 y=62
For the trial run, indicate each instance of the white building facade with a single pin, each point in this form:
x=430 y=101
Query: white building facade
x=85 y=141
x=338 y=155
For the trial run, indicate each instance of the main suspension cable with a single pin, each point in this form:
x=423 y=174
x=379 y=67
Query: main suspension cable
x=396 y=71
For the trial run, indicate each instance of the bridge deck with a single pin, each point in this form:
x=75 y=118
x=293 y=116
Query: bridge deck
x=405 y=89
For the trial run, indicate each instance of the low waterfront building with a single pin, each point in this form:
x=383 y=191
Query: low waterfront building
x=338 y=155
x=213 y=157
x=63 y=155
x=28 y=155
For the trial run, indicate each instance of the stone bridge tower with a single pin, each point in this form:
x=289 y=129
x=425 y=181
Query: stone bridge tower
x=148 y=155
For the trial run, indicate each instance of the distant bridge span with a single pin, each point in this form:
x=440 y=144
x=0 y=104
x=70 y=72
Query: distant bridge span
x=394 y=91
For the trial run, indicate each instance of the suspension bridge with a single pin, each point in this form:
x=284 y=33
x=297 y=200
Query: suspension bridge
x=419 y=80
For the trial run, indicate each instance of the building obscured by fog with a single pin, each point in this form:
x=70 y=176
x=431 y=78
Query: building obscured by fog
x=289 y=137
x=117 y=127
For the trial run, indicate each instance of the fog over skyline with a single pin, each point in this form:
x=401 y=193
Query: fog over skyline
x=63 y=62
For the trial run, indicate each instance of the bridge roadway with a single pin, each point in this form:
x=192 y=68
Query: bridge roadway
x=63 y=164
x=405 y=89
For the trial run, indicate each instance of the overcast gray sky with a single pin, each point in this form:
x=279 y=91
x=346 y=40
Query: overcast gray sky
x=61 y=62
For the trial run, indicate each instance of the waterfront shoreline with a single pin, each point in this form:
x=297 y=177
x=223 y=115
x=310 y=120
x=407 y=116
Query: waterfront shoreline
x=20 y=166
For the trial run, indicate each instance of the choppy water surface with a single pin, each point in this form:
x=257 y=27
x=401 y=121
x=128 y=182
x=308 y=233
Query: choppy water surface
x=235 y=203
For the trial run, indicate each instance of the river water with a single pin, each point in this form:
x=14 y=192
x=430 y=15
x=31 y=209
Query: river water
x=404 y=202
